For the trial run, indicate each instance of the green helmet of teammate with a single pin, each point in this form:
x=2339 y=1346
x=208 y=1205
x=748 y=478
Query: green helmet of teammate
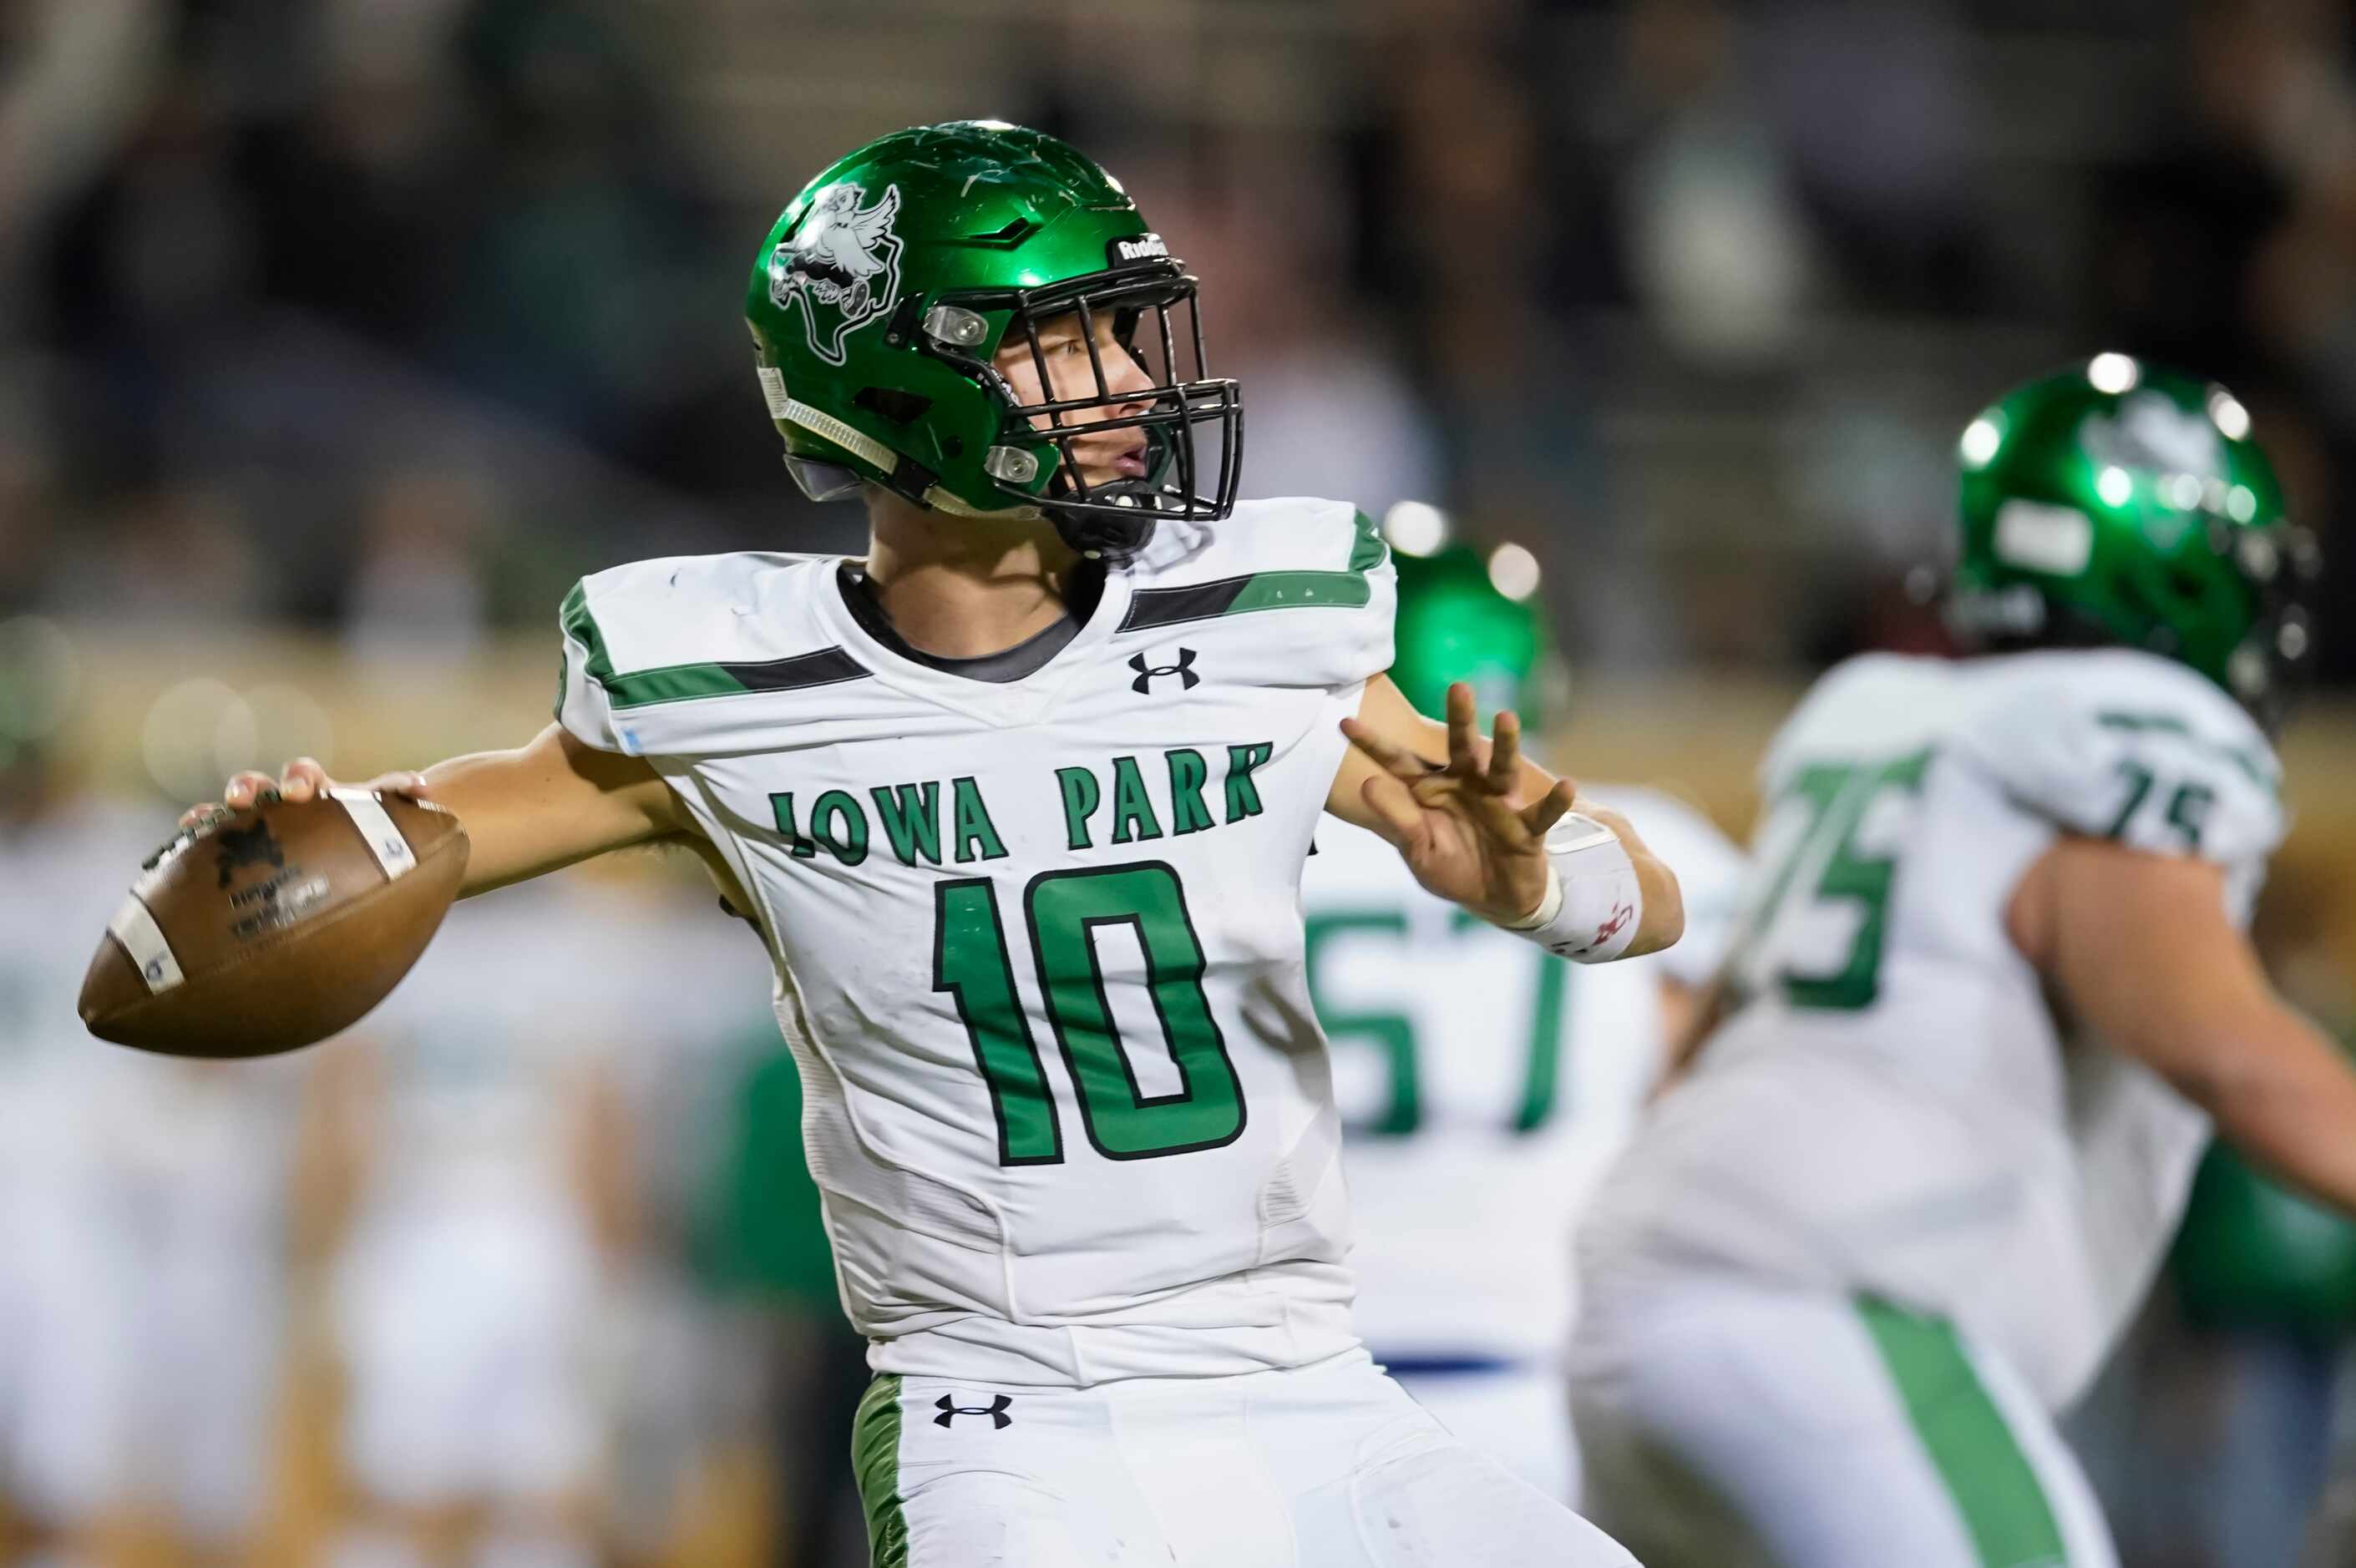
x=883 y=291
x=1456 y=622
x=2116 y=502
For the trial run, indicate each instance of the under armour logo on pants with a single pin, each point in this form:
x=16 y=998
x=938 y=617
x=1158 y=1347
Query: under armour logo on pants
x=996 y=1409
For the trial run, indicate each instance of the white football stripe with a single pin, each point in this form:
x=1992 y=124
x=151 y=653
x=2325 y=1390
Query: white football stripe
x=142 y=938
x=384 y=840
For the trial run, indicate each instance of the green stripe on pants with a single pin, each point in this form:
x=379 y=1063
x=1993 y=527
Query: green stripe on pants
x=1995 y=1486
x=875 y=1460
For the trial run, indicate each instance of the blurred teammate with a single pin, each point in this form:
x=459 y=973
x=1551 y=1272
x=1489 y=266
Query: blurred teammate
x=196 y=1160
x=68 y=1330
x=1020 y=802
x=142 y=1204
x=1484 y=1083
x=488 y=1183
x=1990 y=984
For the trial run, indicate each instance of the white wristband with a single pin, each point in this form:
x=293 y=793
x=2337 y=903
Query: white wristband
x=1593 y=902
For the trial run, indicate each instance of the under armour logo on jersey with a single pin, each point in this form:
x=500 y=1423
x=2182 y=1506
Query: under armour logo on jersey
x=996 y=1409
x=1184 y=670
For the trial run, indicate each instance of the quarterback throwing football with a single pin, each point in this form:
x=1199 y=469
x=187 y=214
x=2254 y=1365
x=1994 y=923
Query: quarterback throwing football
x=1020 y=801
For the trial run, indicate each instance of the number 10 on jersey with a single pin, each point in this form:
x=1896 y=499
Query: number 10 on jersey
x=1062 y=912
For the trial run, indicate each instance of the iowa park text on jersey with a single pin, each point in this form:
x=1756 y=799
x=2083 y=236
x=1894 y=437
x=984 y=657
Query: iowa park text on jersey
x=908 y=817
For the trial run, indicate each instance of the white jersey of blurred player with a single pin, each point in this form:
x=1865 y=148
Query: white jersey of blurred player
x=465 y=1295
x=472 y=1299
x=200 y=1156
x=67 y=1335
x=1485 y=1085
x=141 y=1251
x=1039 y=959
x=1895 y=1217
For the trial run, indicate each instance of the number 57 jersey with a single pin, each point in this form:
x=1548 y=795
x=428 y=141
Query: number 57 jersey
x=1893 y=1107
x=1038 y=942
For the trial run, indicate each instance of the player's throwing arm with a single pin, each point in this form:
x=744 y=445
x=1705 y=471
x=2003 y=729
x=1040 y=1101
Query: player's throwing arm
x=537 y=808
x=283 y=915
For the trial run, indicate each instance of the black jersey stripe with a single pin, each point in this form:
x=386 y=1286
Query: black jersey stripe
x=1150 y=607
x=689 y=682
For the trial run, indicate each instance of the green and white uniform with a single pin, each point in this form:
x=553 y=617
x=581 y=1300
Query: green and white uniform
x=1486 y=1084
x=1897 y=1216
x=1038 y=947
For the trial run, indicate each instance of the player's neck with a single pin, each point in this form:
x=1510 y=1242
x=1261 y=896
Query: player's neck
x=965 y=587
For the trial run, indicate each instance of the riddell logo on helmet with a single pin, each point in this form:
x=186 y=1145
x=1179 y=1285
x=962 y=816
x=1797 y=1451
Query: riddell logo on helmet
x=1136 y=247
x=840 y=263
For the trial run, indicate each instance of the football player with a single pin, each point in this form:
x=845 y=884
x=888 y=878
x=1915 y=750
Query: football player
x=70 y=1337
x=141 y=1205
x=473 y=1126
x=1020 y=801
x=197 y=1159
x=1991 y=988
x=1483 y=1084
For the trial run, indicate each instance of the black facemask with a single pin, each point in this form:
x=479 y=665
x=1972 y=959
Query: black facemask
x=1112 y=521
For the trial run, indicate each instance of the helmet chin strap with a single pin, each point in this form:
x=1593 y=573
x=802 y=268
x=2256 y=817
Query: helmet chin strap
x=1111 y=537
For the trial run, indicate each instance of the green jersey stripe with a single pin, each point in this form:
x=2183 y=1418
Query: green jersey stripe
x=582 y=627
x=1996 y=1488
x=688 y=682
x=1344 y=590
x=1367 y=550
x=875 y=1461
x=1150 y=607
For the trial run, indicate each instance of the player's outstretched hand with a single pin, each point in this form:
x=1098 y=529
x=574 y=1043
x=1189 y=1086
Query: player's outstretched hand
x=304 y=780
x=1459 y=828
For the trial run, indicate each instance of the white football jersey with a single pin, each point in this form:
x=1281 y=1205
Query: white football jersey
x=1038 y=943
x=1484 y=1083
x=1893 y=1108
x=525 y=997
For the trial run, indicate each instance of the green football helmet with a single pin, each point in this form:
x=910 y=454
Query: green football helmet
x=884 y=291
x=2116 y=502
x=1455 y=622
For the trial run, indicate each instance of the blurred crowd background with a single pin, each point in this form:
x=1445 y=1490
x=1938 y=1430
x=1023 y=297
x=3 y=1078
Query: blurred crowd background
x=338 y=336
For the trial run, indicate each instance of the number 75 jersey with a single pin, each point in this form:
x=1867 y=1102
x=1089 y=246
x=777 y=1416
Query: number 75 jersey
x=1038 y=943
x=1894 y=1107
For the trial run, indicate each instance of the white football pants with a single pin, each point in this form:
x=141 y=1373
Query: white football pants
x=1330 y=1465
x=1514 y=1414
x=1725 y=1425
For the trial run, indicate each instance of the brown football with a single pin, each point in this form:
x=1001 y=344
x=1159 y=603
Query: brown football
x=274 y=927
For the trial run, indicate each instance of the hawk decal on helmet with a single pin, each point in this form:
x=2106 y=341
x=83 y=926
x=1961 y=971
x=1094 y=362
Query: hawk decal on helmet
x=841 y=262
x=2149 y=431
x=2119 y=502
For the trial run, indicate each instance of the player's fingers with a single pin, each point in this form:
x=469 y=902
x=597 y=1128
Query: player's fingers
x=244 y=789
x=407 y=783
x=1396 y=816
x=1505 y=752
x=197 y=814
x=1463 y=732
x=1549 y=811
x=1388 y=754
x=302 y=781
